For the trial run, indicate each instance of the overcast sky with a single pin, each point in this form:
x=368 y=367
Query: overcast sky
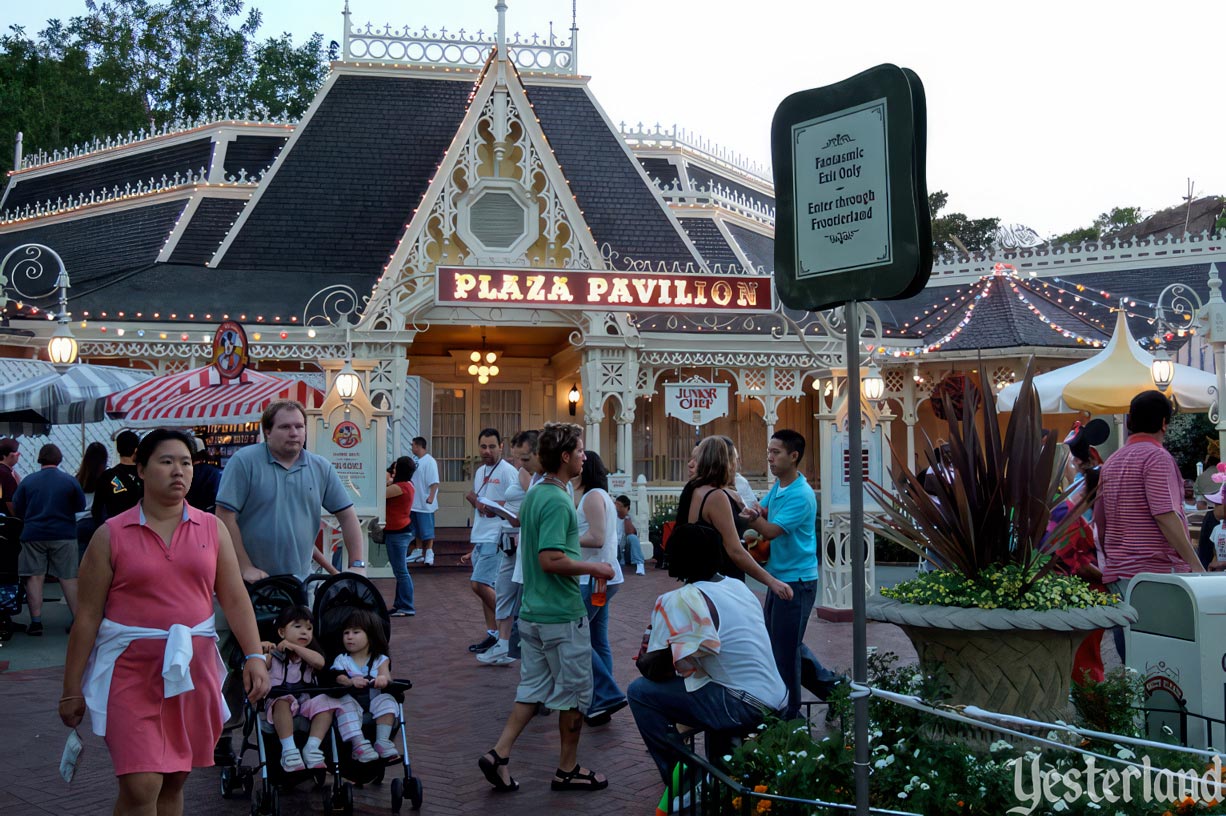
x=1041 y=113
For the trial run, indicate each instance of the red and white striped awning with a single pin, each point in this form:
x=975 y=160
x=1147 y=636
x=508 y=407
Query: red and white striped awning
x=202 y=397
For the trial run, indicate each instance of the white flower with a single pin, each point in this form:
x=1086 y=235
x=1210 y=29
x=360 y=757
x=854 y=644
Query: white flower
x=924 y=786
x=879 y=764
x=1124 y=753
x=727 y=757
x=802 y=754
x=902 y=794
x=1000 y=745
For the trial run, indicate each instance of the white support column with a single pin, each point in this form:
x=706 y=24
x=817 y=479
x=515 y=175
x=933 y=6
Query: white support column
x=625 y=441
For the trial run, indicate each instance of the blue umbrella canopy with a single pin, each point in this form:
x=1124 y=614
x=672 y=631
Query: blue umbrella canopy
x=79 y=395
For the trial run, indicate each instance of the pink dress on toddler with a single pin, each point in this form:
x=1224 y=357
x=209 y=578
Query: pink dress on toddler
x=283 y=671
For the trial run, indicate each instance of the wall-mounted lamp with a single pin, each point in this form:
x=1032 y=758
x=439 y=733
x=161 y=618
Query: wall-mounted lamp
x=573 y=398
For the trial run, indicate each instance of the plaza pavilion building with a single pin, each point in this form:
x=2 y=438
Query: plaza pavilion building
x=444 y=197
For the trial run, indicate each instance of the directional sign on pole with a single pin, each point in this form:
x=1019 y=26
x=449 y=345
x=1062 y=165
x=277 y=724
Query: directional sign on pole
x=852 y=223
x=852 y=220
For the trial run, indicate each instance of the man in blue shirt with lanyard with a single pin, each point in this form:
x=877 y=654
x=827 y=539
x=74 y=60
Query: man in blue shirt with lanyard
x=789 y=520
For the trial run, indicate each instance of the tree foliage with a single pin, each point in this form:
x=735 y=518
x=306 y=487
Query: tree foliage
x=974 y=234
x=1106 y=225
x=128 y=64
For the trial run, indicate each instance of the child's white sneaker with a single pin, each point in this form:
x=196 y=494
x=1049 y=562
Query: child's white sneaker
x=386 y=749
x=291 y=761
x=314 y=758
x=638 y=569
x=414 y=556
x=364 y=752
x=429 y=558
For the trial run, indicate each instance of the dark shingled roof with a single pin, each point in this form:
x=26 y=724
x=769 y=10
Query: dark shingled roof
x=701 y=178
x=99 y=251
x=760 y=249
x=198 y=290
x=342 y=194
x=207 y=229
x=710 y=242
x=130 y=168
x=619 y=207
x=253 y=154
x=661 y=170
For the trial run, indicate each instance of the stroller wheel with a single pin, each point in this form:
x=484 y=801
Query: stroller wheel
x=257 y=804
x=274 y=803
x=248 y=780
x=228 y=782
x=414 y=792
x=397 y=795
x=347 y=795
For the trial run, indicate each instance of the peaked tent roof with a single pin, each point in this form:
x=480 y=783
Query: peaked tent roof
x=201 y=396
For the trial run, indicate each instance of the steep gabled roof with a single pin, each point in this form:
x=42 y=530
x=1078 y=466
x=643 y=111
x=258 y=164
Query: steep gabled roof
x=759 y=248
x=101 y=250
x=619 y=205
x=208 y=227
x=252 y=154
x=710 y=242
x=348 y=181
x=703 y=178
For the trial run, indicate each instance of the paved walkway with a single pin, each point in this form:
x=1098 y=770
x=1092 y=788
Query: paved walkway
x=455 y=712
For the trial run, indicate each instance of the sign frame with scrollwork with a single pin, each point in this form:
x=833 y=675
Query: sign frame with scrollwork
x=695 y=401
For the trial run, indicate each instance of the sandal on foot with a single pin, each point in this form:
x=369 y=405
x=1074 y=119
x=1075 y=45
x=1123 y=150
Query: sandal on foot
x=578 y=779
x=489 y=765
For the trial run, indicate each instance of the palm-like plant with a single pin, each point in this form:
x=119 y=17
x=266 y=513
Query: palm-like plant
x=993 y=494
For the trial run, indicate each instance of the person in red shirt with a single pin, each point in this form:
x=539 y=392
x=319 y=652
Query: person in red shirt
x=1139 y=510
x=399 y=532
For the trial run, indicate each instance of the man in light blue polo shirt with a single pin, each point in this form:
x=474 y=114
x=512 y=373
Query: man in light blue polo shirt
x=789 y=520
x=271 y=497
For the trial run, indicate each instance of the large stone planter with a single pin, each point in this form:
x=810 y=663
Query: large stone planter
x=1016 y=662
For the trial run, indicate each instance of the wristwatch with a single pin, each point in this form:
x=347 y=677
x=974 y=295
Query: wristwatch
x=361 y=564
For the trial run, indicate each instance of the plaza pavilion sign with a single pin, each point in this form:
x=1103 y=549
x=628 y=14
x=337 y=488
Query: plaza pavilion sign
x=622 y=291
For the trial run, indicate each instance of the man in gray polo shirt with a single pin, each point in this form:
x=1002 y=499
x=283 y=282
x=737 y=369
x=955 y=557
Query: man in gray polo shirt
x=271 y=497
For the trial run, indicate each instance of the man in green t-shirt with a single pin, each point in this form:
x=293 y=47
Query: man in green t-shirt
x=555 y=644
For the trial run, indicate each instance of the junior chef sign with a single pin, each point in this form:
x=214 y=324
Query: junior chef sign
x=696 y=402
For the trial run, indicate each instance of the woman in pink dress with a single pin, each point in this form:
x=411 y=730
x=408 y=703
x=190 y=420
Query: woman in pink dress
x=143 y=646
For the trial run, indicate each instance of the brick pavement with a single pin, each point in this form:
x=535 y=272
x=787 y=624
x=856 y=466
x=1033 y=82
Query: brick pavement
x=455 y=712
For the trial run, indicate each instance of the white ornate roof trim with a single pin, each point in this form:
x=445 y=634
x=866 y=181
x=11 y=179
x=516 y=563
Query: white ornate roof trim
x=690 y=142
x=104 y=149
x=716 y=195
x=272 y=172
x=158 y=349
x=1090 y=256
x=459 y=49
x=101 y=200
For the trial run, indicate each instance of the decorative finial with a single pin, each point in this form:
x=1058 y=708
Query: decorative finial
x=1215 y=284
x=501 y=8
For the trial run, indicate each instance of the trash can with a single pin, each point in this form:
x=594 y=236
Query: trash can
x=1178 y=646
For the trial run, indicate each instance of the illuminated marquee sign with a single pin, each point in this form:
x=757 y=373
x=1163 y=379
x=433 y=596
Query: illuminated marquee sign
x=628 y=291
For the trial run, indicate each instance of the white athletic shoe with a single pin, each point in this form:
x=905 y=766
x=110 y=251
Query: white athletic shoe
x=414 y=556
x=429 y=559
x=365 y=752
x=638 y=569
x=386 y=749
x=291 y=761
x=492 y=653
x=314 y=758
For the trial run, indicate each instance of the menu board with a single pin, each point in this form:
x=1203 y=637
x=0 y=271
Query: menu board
x=223 y=441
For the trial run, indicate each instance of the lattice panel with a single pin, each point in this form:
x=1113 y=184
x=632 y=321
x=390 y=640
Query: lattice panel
x=786 y=381
x=754 y=380
x=895 y=379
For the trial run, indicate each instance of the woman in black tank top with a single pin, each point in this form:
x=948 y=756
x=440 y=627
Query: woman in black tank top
x=720 y=508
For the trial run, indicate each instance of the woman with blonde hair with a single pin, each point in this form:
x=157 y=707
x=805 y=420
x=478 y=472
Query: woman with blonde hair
x=706 y=499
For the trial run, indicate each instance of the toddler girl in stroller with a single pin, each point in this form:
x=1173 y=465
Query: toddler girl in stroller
x=364 y=666
x=292 y=664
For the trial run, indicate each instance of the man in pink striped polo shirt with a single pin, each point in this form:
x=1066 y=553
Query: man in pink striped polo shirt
x=1139 y=509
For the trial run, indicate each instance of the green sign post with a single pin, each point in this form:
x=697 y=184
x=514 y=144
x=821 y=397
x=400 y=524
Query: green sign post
x=852 y=223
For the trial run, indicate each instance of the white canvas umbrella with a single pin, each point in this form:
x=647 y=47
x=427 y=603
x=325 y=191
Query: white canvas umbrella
x=74 y=397
x=1115 y=375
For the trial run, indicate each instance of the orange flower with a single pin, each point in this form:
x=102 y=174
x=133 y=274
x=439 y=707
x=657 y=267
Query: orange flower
x=764 y=806
x=961 y=803
x=736 y=802
x=760 y=789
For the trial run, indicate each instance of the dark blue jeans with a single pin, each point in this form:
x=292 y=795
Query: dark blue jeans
x=605 y=691
x=659 y=707
x=397 y=545
x=786 y=622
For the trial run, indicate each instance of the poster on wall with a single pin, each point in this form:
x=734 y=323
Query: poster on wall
x=870 y=458
x=696 y=402
x=352 y=451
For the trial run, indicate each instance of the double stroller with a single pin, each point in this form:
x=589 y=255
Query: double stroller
x=336 y=599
